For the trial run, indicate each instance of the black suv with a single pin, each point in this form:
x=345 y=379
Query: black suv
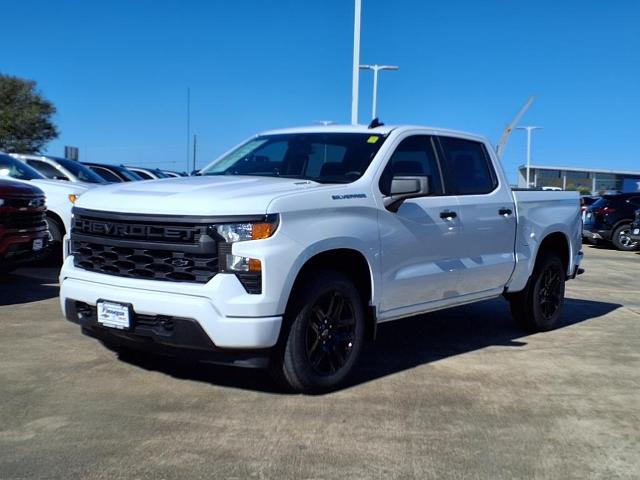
x=635 y=229
x=610 y=218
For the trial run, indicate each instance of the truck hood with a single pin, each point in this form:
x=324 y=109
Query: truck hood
x=213 y=195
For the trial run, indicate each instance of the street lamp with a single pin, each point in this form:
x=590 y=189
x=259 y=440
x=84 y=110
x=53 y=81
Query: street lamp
x=529 y=129
x=356 y=61
x=376 y=68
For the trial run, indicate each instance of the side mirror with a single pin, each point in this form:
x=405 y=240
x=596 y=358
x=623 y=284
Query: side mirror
x=404 y=187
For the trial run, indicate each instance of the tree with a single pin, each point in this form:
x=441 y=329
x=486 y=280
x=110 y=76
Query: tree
x=25 y=116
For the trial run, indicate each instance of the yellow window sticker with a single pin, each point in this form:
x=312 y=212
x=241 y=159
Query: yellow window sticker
x=373 y=139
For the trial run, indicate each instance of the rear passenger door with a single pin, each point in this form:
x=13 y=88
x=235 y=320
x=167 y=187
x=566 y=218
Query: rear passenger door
x=486 y=213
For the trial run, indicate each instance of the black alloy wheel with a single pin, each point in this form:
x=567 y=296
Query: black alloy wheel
x=322 y=334
x=538 y=307
x=550 y=293
x=331 y=332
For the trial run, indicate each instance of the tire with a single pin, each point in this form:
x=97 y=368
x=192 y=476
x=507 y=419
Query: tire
x=621 y=240
x=54 y=251
x=325 y=334
x=539 y=306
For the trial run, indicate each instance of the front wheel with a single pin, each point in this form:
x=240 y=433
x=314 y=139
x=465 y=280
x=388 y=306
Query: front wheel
x=325 y=335
x=621 y=239
x=538 y=307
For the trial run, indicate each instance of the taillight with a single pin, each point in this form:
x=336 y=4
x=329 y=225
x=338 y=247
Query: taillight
x=604 y=211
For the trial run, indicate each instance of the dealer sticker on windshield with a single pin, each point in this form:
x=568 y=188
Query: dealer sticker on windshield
x=114 y=315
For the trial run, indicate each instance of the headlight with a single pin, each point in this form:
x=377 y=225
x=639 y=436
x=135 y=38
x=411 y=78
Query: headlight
x=239 y=232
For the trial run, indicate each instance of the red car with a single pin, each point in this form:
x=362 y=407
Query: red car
x=23 y=229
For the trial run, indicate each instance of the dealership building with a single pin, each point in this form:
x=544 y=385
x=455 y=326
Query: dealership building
x=570 y=178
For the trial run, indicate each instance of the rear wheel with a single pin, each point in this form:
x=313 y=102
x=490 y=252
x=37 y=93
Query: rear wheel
x=621 y=239
x=539 y=305
x=325 y=334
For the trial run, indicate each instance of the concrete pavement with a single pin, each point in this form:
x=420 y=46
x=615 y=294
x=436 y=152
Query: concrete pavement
x=455 y=394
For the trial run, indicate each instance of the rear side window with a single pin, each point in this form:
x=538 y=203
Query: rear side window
x=414 y=156
x=469 y=167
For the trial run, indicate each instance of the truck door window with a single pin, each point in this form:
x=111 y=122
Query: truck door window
x=468 y=166
x=47 y=170
x=413 y=156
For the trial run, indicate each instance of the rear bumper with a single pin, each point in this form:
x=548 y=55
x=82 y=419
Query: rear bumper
x=596 y=234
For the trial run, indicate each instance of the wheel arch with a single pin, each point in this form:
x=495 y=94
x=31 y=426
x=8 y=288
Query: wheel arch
x=558 y=243
x=349 y=262
x=55 y=217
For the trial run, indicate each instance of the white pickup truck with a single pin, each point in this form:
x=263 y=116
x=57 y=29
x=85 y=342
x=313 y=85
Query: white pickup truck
x=288 y=250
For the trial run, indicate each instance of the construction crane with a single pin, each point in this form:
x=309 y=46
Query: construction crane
x=502 y=143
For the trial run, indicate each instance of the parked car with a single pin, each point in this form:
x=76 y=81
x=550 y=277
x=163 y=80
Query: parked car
x=23 y=229
x=60 y=168
x=148 y=173
x=286 y=252
x=609 y=220
x=635 y=228
x=171 y=173
x=60 y=196
x=114 y=173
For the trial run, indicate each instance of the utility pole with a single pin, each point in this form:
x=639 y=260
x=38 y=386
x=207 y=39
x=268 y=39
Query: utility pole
x=188 y=123
x=195 y=138
x=529 y=129
x=376 y=68
x=356 y=62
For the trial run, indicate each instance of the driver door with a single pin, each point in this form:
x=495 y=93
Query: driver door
x=419 y=242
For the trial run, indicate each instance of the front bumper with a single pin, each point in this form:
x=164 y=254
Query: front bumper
x=17 y=248
x=216 y=308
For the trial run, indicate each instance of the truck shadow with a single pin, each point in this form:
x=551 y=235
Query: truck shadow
x=28 y=285
x=400 y=345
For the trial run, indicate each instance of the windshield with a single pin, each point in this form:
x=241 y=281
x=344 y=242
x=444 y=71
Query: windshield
x=321 y=157
x=128 y=175
x=10 y=167
x=81 y=172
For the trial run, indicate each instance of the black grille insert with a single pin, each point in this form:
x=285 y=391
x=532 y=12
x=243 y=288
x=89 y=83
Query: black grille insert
x=119 y=244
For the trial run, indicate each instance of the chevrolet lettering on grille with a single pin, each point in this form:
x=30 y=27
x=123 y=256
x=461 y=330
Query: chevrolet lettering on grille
x=125 y=230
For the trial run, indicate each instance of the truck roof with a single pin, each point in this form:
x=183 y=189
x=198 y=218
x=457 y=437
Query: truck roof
x=381 y=130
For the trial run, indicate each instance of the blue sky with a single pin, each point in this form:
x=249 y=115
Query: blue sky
x=118 y=72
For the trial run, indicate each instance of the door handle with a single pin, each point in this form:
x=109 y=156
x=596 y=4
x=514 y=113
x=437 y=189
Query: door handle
x=505 y=212
x=448 y=215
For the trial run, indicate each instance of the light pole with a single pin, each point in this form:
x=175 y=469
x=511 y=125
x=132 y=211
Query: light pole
x=376 y=68
x=356 y=62
x=529 y=129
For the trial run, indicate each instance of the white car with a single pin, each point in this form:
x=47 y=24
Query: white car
x=60 y=195
x=57 y=168
x=288 y=250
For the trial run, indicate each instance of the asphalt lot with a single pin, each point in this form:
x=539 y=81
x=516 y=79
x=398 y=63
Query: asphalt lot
x=456 y=394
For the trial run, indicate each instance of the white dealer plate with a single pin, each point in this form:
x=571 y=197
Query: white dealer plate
x=37 y=244
x=636 y=231
x=114 y=315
